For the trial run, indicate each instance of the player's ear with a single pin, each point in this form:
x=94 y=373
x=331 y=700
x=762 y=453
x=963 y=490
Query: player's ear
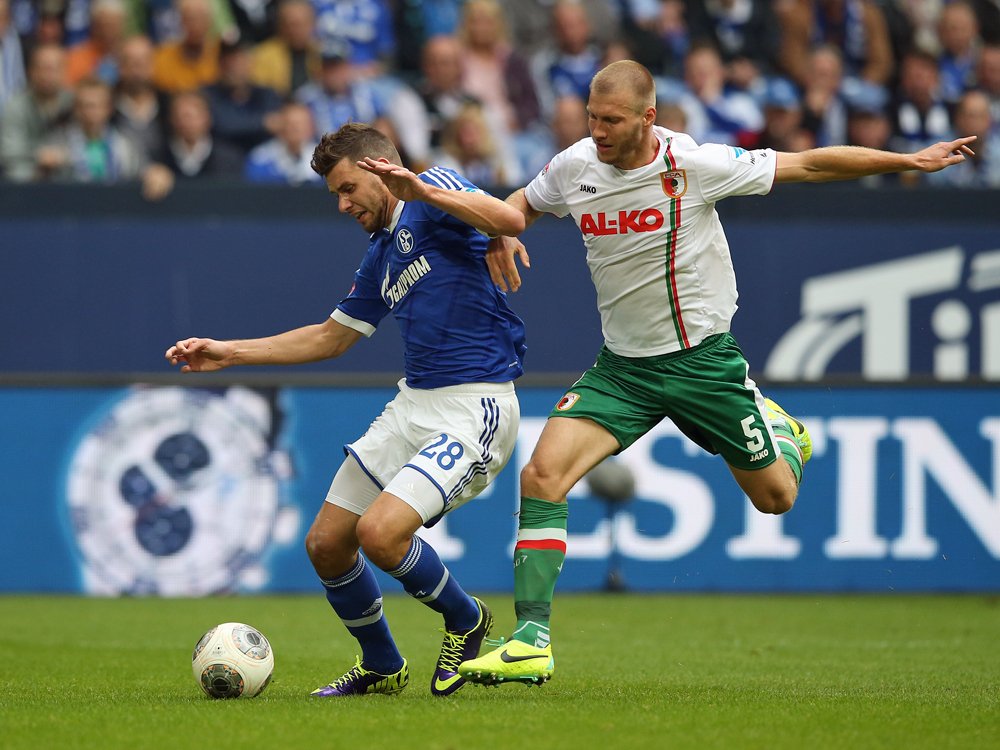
x=649 y=116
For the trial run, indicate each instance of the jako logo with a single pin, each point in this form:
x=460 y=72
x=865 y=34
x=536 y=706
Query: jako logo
x=588 y=189
x=648 y=220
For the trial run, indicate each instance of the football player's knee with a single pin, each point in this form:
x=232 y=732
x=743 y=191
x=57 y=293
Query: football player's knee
x=377 y=542
x=774 y=501
x=317 y=546
x=538 y=481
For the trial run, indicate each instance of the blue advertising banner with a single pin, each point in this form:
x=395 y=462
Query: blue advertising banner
x=189 y=491
x=828 y=286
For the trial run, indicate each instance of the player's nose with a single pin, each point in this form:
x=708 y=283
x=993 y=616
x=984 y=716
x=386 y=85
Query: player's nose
x=343 y=204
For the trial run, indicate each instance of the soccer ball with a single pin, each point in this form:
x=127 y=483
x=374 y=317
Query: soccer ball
x=233 y=660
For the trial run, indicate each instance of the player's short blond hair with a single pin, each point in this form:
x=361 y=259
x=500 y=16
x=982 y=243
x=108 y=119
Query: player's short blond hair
x=630 y=76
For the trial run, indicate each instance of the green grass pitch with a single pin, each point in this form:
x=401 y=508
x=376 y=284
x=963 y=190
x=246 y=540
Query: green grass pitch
x=700 y=671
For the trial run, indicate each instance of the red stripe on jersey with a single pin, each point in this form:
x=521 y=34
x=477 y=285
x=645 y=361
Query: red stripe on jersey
x=541 y=544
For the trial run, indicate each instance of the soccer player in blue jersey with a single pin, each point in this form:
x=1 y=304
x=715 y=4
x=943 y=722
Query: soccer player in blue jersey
x=452 y=426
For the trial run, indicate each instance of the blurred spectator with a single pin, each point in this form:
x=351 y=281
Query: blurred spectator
x=824 y=114
x=959 y=32
x=339 y=97
x=467 y=146
x=387 y=128
x=190 y=151
x=415 y=23
x=285 y=158
x=988 y=16
x=856 y=27
x=140 y=110
x=290 y=59
x=670 y=115
x=89 y=148
x=12 y=76
x=656 y=34
x=255 y=19
x=39 y=22
x=363 y=27
x=972 y=117
x=72 y=17
x=493 y=72
x=96 y=56
x=618 y=49
x=921 y=18
x=783 y=118
x=988 y=75
x=920 y=115
x=243 y=113
x=440 y=87
x=161 y=19
x=568 y=125
x=715 y=115
x=868 y=125
x=745 y=32
x=192 y=61
x=29 y=117
x=565 y=66
x=529 y=22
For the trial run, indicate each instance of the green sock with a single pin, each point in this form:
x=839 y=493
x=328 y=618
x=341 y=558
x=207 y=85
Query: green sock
x=538 y=560
x=788 y=446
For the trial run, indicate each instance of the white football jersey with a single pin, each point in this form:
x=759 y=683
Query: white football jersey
x=655 y=246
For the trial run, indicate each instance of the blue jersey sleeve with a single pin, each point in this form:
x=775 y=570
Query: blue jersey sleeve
x=363 y=308
x=449 y=179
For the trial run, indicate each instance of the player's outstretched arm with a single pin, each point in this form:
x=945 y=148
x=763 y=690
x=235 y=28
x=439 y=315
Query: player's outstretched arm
x=307 y=344
x=850 y=162
x=484 y=212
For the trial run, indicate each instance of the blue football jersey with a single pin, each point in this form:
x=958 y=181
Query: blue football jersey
x=429 y=270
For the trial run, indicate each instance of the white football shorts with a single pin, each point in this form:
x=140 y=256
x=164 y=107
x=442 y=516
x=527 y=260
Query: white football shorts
x=435 y=449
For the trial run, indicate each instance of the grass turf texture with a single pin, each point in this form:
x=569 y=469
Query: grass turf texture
x=631 y=671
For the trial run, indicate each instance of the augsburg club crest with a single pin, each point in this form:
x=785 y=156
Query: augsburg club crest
x=674 y=183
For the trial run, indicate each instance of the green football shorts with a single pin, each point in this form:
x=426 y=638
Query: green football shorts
x=706 y=391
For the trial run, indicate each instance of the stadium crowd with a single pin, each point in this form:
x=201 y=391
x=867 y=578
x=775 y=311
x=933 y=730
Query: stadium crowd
x=157 y=91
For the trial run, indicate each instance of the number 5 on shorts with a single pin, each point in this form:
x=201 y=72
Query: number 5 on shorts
x=756 y=441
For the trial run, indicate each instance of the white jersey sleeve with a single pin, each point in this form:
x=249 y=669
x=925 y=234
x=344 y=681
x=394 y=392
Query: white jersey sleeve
x=546 y=192
x=724 y=171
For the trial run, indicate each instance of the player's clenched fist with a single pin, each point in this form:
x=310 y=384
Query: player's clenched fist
x=200 y=355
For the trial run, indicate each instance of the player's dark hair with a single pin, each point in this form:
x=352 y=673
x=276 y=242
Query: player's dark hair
x=353 y=141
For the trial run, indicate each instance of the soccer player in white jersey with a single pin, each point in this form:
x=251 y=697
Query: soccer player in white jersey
x=452 y=426
x=644 y=200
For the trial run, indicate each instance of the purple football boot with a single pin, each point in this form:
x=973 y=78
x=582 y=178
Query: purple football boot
x=358 y=681
x=459 y=647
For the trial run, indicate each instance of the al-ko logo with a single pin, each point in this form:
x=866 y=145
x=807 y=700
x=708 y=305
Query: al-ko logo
x=622 y=222
x=873 y=303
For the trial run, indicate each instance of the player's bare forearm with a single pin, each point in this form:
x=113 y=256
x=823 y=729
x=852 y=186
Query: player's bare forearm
x=518 y=200
x=307 y=344
x=851 y=162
